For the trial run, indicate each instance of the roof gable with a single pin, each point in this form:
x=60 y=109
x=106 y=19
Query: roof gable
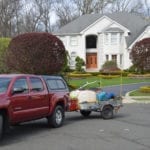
x=134 y=23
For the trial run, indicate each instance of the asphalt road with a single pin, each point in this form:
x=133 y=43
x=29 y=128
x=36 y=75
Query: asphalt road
x=129 y=130
x=124 y=88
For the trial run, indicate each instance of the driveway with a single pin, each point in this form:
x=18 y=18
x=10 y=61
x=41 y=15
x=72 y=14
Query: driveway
x=129 y=130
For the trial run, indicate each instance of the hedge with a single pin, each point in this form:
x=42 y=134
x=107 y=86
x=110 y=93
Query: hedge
x=145 y=89
x=123 y=73
x=108 y=76
x=139 y=75
x=79 y=75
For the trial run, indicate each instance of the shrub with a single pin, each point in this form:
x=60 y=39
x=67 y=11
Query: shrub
x=36 y=53
x=109 y=66
x=95 y=73
x=79 y=64
x=72 y=87
x=140 y=55
x=119 y=73
x=139 y=75
x=80 y=75
x=145 y=89
x=132 y=69
x=108 y=76
x=4 y=42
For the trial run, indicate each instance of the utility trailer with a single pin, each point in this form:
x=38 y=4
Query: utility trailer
x=106 y=108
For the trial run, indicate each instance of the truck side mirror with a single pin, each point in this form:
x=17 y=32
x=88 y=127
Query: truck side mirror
x=18 y=90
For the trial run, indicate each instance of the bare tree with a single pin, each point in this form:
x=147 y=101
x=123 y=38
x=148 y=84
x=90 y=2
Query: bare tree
x=31 y=16
x=146 y=8
x=91 y=6
x=127 y=6
x=65 y=12
x=45 y=9
x=8 y=10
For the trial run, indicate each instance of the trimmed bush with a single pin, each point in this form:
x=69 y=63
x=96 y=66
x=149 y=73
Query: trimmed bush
x=36 y=53
x=108 y=76
x=145 y=89
x=75 y=75
x=109 y=66
x=79 y=64
x=139 y=75
x=123 y=73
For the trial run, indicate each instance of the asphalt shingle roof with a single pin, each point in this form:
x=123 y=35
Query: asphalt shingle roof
x=133 y=22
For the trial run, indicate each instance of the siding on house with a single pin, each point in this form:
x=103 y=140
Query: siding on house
x=114 y=35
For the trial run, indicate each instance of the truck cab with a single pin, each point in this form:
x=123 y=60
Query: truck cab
x=29 y=97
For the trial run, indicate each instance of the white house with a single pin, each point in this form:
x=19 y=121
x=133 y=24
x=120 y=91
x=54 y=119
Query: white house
x=97 y=38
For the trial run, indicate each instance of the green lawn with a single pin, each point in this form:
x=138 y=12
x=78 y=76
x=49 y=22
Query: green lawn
x=138 y=93
x=104 y=82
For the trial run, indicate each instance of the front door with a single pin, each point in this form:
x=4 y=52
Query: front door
x=91 y=60
x=20 y=103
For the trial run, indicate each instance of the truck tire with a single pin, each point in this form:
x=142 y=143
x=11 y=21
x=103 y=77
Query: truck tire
x=57 y=118
x=85 y=113
x=1 y=126
x=107 y=112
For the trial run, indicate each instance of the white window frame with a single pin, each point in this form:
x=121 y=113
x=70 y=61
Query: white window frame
x=73 y=41
x=114 y=38
x=73 y=56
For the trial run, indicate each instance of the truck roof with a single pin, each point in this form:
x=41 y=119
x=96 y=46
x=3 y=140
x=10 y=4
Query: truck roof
x=30 y=75
x=15 y=75
x=51 y=77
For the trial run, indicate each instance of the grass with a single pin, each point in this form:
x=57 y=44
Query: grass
x=138 y=93
x=77 y=82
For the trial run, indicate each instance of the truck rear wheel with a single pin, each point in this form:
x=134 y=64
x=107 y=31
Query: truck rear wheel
x=107 y=112
x=57 y=118
x=1 y=125
x=85 y=113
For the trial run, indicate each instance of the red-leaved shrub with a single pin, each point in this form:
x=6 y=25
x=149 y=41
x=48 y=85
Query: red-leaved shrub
x=140 y=55
x=35 y=53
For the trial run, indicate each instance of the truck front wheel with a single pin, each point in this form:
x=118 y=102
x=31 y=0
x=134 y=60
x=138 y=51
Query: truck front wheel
x=1 y=125
x=57 y=118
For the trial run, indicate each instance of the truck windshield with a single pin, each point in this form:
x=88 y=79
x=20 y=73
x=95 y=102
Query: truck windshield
x=4 y=83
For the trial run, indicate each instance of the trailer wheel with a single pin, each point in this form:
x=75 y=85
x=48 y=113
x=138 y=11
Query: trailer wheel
x=57 y=118
x=107 y=112
x=85 y=113
x=1 y=125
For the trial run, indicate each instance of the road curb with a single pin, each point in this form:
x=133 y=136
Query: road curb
x=129 y=99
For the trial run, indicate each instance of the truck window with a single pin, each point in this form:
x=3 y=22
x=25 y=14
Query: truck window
x=36 y=84
x=21 y=83
x=4 y=83
x=56 y=84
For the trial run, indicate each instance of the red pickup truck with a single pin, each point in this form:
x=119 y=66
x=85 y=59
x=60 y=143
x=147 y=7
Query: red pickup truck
x=28 y=97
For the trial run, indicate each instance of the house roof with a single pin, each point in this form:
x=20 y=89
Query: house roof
x=136 y=24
